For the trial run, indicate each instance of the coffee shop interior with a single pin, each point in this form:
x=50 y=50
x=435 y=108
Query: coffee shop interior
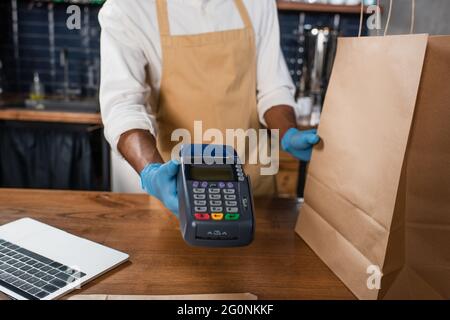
x=57 y=167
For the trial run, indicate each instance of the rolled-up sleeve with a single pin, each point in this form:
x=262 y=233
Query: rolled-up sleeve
x=124 y=91
x=274 y=83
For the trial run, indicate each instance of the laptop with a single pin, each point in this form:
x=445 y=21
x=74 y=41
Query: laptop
x=40 y=262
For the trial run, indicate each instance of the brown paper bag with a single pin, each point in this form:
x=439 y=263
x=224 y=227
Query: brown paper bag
x=378 y=188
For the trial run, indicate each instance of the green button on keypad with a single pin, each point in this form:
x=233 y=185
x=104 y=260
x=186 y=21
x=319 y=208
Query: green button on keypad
x=232 y=216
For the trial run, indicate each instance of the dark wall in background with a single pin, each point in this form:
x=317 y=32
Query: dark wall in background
x=39 y=51
x=33 y=48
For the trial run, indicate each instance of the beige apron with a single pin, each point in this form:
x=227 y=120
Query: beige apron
x=209 y=77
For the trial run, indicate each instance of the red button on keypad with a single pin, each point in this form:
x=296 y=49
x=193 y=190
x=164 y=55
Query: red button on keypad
x=201 y=216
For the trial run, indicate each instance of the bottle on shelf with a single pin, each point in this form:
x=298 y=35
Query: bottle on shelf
x=37 y=91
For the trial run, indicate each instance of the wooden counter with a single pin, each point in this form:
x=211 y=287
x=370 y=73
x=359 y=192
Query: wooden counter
x=278 y=265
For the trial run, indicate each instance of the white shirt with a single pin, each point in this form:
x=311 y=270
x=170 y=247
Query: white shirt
x=131 y=56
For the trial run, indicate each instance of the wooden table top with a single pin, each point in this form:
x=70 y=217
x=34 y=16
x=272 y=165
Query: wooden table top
x=277 y=265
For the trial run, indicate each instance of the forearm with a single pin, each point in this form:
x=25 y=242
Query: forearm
x=138 y=147
x=280 y=117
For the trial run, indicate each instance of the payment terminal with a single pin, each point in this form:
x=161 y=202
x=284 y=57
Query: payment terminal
x=215 y=200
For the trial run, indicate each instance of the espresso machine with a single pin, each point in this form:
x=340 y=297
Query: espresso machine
x=318 y=45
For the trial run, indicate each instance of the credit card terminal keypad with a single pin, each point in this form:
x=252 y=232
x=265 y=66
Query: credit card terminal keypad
x=215 y=200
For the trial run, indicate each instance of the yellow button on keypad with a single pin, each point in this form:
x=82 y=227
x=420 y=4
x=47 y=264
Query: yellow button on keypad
x=217 y=216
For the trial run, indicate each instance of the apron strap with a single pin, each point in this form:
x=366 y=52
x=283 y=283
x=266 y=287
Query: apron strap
x=163 y=17
x=244 y=14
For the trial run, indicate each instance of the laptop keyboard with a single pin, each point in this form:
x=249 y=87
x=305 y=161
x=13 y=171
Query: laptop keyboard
x=31 y=275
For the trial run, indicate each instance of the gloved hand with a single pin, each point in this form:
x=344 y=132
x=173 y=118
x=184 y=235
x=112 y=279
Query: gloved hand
x=300 y=143
x=160 y=180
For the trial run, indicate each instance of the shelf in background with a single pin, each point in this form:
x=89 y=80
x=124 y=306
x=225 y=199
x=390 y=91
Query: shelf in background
x=316 y=7
x=16 y=114
x=282 y=5
x=93 y=2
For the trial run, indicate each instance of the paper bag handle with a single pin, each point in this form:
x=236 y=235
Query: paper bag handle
x=413 y=16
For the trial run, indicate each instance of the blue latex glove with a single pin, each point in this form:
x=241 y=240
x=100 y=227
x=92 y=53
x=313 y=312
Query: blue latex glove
x=300 y=143
x=160 y=180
